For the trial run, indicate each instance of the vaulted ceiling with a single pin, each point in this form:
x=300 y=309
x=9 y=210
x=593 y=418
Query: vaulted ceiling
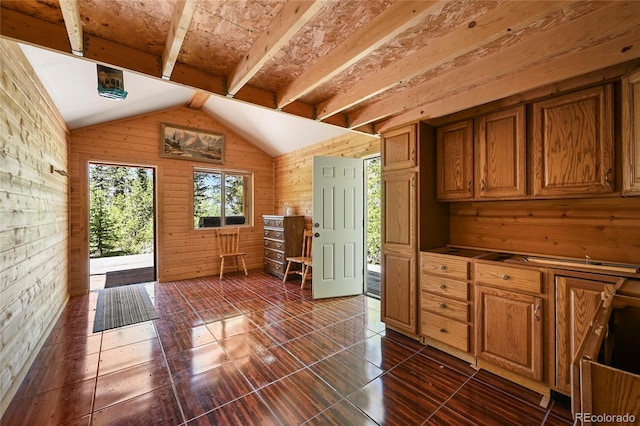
x=363 y=65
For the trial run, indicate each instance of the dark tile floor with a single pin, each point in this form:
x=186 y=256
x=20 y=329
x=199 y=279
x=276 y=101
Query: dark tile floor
x=252 y=350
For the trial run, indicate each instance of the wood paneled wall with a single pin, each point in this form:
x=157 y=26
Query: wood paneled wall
x=34 y=219
x=182 y=252
x=603 y=228
x=293 y=172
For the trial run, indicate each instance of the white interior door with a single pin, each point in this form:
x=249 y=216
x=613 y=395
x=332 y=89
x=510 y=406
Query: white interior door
x=338 y=226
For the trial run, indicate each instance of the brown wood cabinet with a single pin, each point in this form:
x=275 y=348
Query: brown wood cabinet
x=408 y=193
x=509 y=323
x=631 y=134
x=500 y=152
x=577 y=297
x=399 y=149
x=282 y=239
x=445 y=308
x=573 y=145
x=455 y=161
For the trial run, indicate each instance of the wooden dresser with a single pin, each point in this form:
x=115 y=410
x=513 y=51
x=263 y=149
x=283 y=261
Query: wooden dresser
x=282 y=239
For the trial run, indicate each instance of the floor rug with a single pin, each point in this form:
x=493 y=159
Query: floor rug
x=129 y=276
x=120 y=306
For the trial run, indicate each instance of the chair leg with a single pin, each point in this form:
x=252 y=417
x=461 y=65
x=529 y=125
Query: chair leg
x=244 y=266
x=284 y=279
x=221 y=267
x=304 y=275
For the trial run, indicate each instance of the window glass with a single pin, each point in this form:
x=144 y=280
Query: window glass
x=214 y=189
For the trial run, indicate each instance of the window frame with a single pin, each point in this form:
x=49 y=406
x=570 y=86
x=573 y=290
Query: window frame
x=248 y=179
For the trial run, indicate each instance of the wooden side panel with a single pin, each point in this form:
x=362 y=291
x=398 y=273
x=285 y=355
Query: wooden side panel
x=182 y=252
x=293 y=172
x=34 y=218
x=603 y=228
x=399 y=207
x=399 y=297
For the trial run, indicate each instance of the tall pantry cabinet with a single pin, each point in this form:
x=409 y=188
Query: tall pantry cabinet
x=412 y=220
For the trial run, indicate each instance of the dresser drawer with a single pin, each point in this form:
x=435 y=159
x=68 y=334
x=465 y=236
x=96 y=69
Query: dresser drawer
x=444 y=286
x=274 y=255
x=509 y=278
x=445 y=330
x=274 y=244
x=448 y=266
x=458 y=311
x=277 y=234
x=274 y=267
x=274 y=222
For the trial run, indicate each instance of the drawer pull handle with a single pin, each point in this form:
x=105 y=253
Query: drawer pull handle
x=442 y=267
x=536 y=311
x=443 y=330
x=442 y=305
x=505 y=276
x=442 y=286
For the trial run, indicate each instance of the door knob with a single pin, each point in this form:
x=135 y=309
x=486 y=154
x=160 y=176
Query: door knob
x=317 y=234
x=317 y=225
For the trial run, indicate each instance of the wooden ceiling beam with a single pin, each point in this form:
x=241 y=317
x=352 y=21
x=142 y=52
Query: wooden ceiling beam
x=293 y=16
x=394 y=20
x=71 y=14
x=198 y=99
x=508 y=17
x=26 y=29
x=182 y=15
x=575 y=63
x=572 y=35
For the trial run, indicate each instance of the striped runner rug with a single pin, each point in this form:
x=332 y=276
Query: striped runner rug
x=124 y=305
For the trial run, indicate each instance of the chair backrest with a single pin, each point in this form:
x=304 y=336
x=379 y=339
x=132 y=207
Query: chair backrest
x=228 y=240
x=307 y=241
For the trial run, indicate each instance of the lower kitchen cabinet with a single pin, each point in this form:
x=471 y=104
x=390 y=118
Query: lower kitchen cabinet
x=577 y=298
x=509 y=330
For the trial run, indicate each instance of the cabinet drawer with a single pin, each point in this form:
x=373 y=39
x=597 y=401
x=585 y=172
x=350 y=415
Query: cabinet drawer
x=502 y=276
x=451 y=266
x=445 y=330
x=273 y=222
x=444 y=286
x=277 y=234
x=458 y=311
x=275 y=255
x=274 y=244
x=273 y=267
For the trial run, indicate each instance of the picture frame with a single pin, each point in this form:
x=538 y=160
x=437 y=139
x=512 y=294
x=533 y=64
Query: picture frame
x=187 y=143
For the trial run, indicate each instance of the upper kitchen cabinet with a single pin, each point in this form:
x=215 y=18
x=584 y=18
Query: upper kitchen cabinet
x=455 y=161
x=573 y=145
x=500 y=147
x=399 y=149
x=631 y=134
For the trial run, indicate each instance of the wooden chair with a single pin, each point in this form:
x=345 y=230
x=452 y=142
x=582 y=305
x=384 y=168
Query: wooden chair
x=305 y=260
x=229 y=247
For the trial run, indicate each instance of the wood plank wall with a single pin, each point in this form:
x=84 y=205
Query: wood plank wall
x=34 y=218
x=182 y=252
x=603 y=228
x=293 y=172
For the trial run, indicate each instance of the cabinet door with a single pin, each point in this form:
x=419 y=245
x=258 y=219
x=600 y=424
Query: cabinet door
x=573 y=147
x=631 y=134
x=398 y=149
x=398 y=293
x=577 y=300
x=501 y=154
x=509 y=331
x=399 y=250
x=455 y=161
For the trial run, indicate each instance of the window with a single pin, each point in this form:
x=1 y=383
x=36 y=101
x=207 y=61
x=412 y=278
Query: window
x=221 y=198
